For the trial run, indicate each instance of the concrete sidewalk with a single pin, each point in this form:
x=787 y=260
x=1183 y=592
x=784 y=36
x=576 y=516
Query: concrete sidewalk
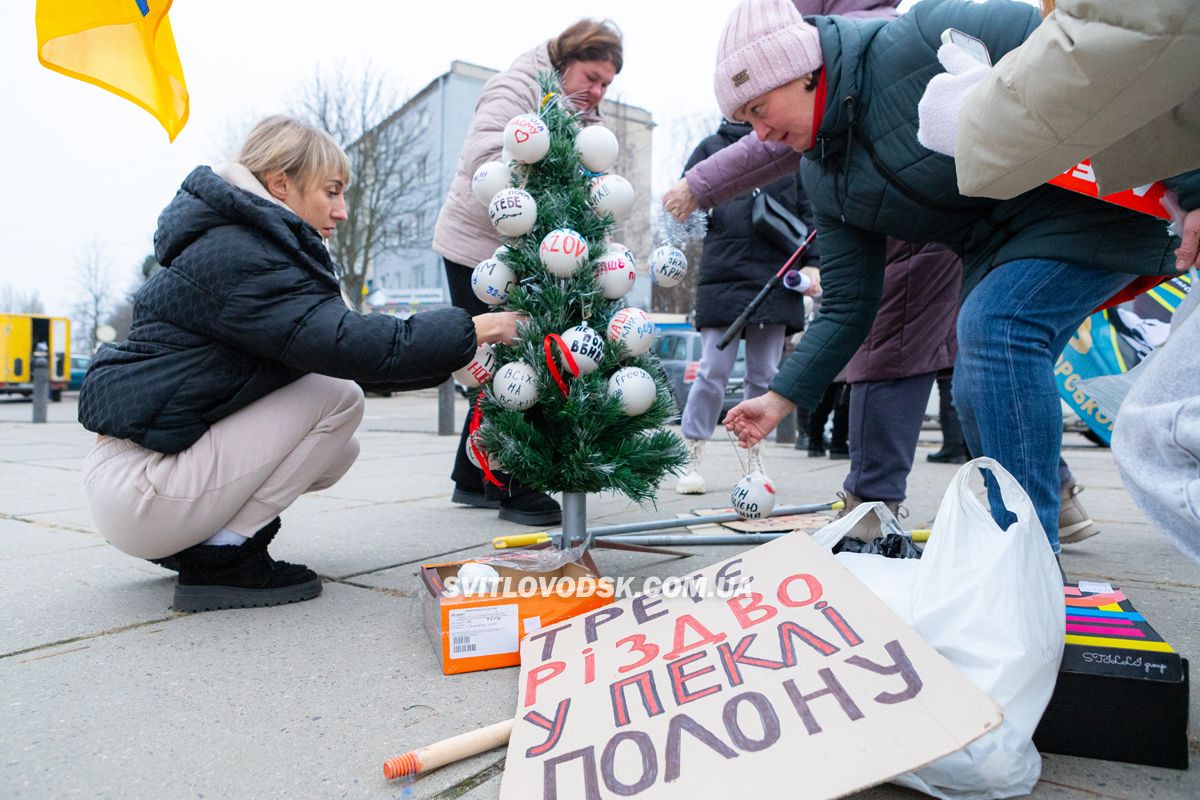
x=107 y=693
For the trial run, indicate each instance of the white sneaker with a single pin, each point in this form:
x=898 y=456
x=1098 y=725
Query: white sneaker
x=754 y=461
x=693 y=481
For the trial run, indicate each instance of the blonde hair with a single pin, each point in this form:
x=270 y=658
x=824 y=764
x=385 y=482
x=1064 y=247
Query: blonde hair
x=301 y=151
x=1047 y=7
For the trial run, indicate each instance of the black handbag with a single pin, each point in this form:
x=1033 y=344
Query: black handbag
x=775 y=223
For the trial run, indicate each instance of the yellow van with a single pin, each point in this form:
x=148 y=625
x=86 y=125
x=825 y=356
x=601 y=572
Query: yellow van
x=19 y=335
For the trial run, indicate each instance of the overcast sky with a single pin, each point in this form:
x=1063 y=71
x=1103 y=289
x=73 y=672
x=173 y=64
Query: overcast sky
x=86 y=167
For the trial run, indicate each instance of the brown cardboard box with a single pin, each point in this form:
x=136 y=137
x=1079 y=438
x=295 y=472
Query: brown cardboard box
x=471 y=632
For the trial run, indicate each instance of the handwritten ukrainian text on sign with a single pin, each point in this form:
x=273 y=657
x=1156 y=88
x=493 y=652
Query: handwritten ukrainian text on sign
x=772 y=674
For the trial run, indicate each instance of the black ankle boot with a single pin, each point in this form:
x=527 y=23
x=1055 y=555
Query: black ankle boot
x=950 y=454
x=213 y=577
x=533 y=508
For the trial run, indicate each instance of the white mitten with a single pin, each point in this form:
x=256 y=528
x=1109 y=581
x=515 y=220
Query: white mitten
x=944 y=98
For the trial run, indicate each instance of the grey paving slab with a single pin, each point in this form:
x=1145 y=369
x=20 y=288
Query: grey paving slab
x=299 y=701
x=60 y=585
x=307 y=700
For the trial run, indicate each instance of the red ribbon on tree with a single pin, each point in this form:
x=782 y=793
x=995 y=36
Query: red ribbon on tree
x=476 y=420
x=555 y=339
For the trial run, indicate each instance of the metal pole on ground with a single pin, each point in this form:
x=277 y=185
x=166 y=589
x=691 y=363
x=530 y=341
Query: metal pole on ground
x=41 y=383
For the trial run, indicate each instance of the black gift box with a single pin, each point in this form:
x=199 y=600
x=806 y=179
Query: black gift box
x=1122 y=691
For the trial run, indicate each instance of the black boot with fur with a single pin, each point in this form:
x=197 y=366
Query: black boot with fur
x=213 y=577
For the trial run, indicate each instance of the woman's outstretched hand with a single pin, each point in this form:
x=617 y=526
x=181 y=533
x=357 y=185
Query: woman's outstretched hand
x=497 y=326
x=679 y=200
x=751 y=420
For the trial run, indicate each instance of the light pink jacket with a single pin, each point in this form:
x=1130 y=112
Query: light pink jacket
x=463 y=233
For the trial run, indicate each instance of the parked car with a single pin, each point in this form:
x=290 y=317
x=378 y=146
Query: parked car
x=79 y=368
x=679 y=351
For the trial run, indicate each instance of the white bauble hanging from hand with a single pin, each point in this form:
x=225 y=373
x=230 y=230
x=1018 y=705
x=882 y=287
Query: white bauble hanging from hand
x=527 y=138
x=597 y=147
x=513 y=212
x=612 y=194
x=563 y=252
x=515 y=386
x=633 y=328
x=585 y=346
x=616 y=271
x=481 y=368
x=634 y=388
x=491 y=177
x=668 y=266
x=492 y=280
x=753 y=497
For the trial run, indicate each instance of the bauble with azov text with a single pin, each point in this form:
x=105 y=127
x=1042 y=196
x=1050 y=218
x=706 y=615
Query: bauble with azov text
x=563 y=252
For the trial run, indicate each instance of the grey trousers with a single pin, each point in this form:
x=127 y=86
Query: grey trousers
x=885 y=424
x=764 y=348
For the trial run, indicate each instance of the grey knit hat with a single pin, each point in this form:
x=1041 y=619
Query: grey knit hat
x=766 y=43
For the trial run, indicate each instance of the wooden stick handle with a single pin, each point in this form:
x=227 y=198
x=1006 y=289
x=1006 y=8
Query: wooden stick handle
x=447 y=751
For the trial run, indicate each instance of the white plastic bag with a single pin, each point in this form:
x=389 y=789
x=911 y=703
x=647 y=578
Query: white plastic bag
x=991 y=602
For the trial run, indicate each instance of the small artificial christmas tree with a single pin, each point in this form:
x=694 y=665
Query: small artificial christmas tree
x=577 y=404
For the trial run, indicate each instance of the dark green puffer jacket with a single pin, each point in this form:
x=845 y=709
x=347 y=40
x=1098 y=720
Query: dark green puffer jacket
x=868 y=177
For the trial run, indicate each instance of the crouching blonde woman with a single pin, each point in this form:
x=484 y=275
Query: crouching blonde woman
x=236 y=390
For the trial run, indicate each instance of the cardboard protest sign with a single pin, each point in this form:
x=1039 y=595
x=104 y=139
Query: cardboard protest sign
x=1145 y=199
x=775 y=673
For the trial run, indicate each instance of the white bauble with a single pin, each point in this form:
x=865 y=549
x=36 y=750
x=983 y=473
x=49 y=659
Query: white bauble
x=597 y=147
x=753 y=497
x=586 y=347
x=634 y=389
x=633 y=328
x=612 y=194
x=515 y=386
x=513 y=212
x=616 y=271
x=527 y=138
x=476 y=578
x=668 y=265
x=493 y=463
x=492 y=280
x=481 y=368
x=563 y=252
x=491 y=177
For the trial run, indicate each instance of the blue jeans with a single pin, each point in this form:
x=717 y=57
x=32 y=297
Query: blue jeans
x=1011 y=330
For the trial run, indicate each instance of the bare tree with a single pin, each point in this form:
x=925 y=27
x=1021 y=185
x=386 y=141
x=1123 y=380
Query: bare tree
x=388 y=200
x=14 y=301
x=121 y=318
x=95 y=297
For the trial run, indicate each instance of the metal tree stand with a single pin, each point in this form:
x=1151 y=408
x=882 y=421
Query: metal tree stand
x=574 y=529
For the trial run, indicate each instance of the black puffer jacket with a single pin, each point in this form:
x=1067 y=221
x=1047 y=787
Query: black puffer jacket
x=248 y=303
x=737 y=262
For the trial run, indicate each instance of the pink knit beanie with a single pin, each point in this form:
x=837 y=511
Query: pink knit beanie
x=766 y=44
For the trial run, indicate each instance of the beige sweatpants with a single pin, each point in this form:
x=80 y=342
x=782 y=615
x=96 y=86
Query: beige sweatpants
x=240 y=474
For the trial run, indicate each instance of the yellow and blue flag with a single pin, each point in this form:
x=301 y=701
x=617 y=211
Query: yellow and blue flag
x=124 y=46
